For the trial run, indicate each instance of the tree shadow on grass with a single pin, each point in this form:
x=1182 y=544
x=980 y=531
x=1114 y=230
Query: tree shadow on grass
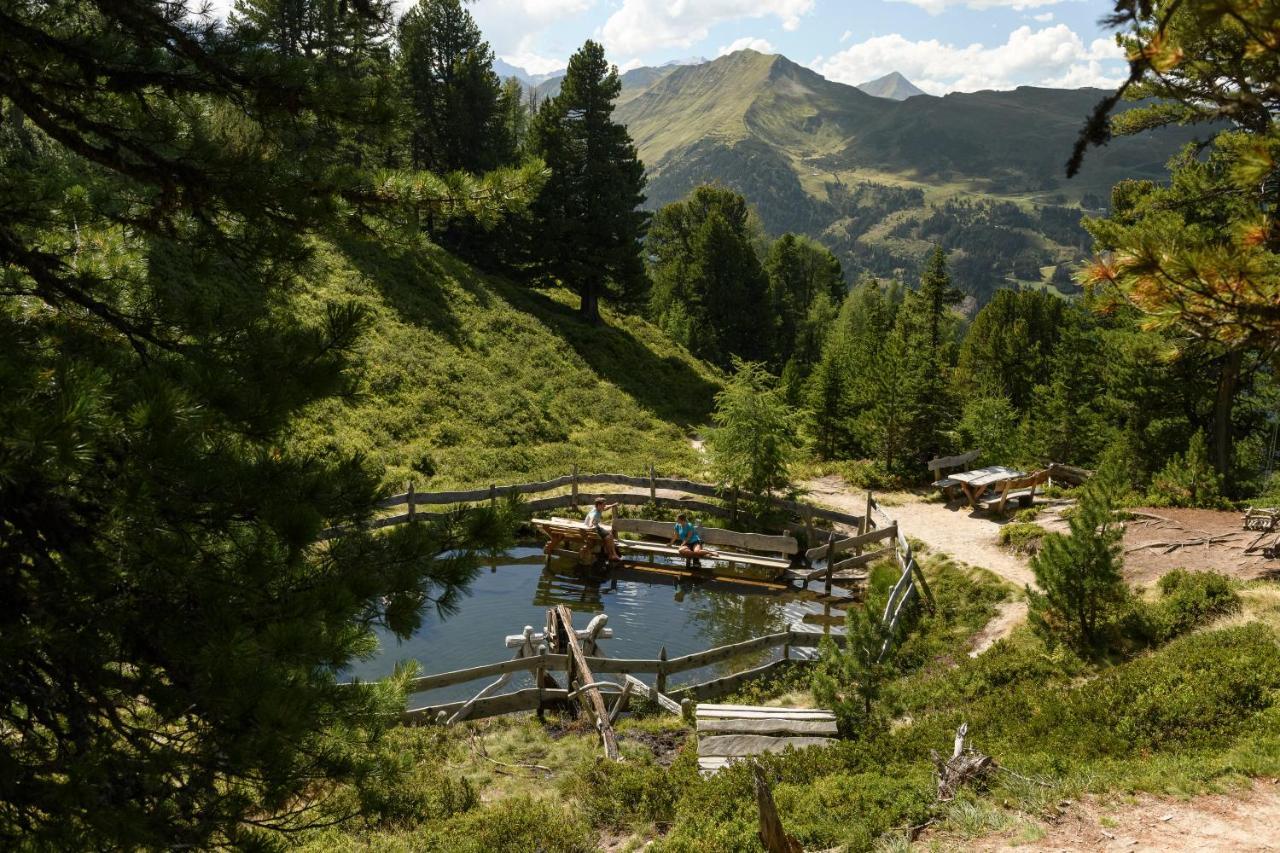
x=663 y=384
x=412 y=280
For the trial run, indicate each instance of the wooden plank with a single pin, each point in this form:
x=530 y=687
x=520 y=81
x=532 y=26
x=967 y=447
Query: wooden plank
x=710 y=656
x=766 y=726
x=863 y=559
x=623 y=665
x=708 y=766
x=810 y=639
x=728 y=684
x=711 y=535
x=711 y=708
x=652 y=694
x=591 y=695
x=461 y=676
x=490 y=706
x=840 y=546
x=730 y=746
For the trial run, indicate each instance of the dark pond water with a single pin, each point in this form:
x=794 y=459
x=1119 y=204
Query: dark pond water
x=646 y=611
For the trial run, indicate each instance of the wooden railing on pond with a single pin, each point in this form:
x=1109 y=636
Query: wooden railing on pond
x=660 y=667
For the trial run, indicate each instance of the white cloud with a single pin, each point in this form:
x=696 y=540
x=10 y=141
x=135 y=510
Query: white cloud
x=848 y=34
x=746 y=43
x=535 y=63
x=632 y=63
x=1043 y=17
x=514 y=29
x=1054 y=56
x=640 y=26
x=934 y=7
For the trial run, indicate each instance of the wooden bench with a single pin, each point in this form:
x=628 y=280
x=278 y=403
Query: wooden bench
x=729 y=732
x=777 y=556
x=1021 y=489
x=941 y=466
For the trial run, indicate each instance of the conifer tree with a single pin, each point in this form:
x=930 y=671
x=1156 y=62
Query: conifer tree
x=753 y=440
x=590 y=226
x=801 y=273
x=175 y=620
x=458 y=118
x=1078 y=574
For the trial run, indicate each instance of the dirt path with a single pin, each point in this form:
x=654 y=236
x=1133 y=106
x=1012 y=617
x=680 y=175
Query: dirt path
x=970 y=538
x=1238 y=821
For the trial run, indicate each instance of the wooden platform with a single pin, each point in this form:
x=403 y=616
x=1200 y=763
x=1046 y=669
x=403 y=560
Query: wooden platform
x=729 y=732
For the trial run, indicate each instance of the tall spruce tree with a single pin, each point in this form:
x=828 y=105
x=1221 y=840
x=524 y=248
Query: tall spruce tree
x=590 y=225
x=802 y=275
x=456 y=101
x=173 y=622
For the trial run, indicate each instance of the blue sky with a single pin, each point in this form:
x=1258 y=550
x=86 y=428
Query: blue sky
x=941 y=45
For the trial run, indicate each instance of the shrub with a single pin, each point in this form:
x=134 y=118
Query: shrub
x=1189 y=480
x=514 y=825
x=1188 y=600
x=868 y=474
x=616 y=794
x=1022 y=536
x=1027 y=514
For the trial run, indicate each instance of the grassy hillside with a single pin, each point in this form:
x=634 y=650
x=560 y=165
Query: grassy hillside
x=872 y=177
x=471 y=379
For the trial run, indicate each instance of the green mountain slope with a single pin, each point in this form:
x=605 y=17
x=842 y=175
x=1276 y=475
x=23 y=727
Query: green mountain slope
x=471 y=379
x=881 y=181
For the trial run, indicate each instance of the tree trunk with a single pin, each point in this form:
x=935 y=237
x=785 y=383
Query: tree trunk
x=590 y=308
x=1228 y=382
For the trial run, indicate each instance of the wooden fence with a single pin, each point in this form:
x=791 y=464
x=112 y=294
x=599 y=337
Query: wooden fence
x=661 y=667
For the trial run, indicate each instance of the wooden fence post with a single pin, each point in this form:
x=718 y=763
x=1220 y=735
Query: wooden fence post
x=493 y=495
x=574 y=487
x=540 y=674
x=831 y=561
x=866 y=519
x=411 y=507
x=660 y=683
x=733 y=506
x=653 y=487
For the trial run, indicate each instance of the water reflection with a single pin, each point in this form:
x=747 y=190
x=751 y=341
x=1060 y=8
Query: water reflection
x=648 y=609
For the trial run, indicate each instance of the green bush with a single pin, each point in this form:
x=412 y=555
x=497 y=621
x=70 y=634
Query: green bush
x=514 y=825
x=1188 y=600
x=1027 y=514
x=616 y=794
x=868 y=474
x=1189 y=479
x=1022 y=536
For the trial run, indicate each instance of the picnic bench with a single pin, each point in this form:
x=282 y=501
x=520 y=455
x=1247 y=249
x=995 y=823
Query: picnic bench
x=942 y=465
x=1262 y=519
x=764 y=555
x=996 y=485
x=730 y=732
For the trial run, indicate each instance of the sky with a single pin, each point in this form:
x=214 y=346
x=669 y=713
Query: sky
x=940 y=45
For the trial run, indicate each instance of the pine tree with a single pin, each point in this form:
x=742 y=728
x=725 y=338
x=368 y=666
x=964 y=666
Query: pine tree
x=589 y=222
x=456 y=100
x=937 y=295
x=709 y=289
x=801 y=273
x=753 y=440
x=174 y=623
x=1078 y=574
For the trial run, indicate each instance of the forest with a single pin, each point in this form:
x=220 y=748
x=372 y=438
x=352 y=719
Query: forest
x=258 y=271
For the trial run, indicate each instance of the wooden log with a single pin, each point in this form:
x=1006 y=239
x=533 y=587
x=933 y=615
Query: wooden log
x=733 y=745
x=823 y=552
x=491 y=706
x=772 y=835
x=710 y=656
x=621 y=702
x=721 y=686
x=863 y=559
x=515 y=641
x=661 y=699
x=462 y=676
x=591 y=696
x=767 y=726
x=660 y=683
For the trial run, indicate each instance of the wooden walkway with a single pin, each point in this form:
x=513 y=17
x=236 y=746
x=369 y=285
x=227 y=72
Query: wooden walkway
x=729 y=732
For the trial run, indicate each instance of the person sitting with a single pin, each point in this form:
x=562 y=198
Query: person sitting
x=691 y=547
x=595 y=519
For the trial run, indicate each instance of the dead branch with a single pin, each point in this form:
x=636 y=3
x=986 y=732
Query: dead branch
x=772 y=835
x=966 y=764
x=1171 y=546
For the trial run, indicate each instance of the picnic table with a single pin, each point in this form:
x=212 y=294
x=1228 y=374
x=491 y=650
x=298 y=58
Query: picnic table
x=975 y=483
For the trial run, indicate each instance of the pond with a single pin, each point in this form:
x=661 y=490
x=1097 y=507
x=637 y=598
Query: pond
x=646 y=612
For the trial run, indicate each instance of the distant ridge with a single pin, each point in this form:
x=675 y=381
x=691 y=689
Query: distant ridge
x=893 y=86
x=505 y=69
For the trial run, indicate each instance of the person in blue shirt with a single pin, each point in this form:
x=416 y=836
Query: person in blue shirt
x=595 y=518
x=687 y=535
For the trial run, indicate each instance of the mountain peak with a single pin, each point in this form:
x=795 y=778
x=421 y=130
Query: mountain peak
x=893 y=86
